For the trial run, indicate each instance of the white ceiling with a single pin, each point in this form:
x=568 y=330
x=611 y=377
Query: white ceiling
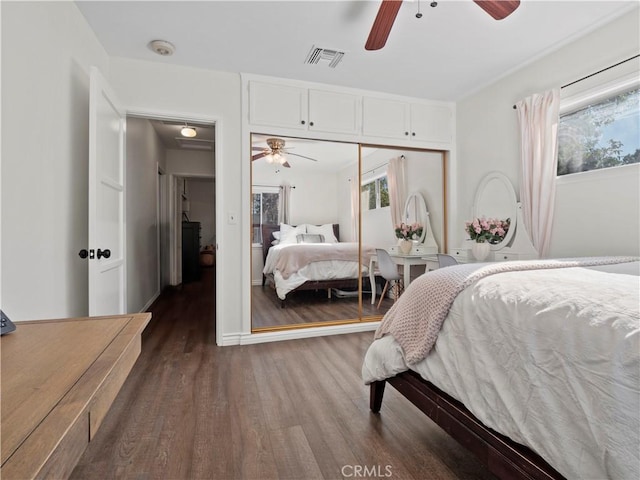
x=452 y=51
x=170 y=136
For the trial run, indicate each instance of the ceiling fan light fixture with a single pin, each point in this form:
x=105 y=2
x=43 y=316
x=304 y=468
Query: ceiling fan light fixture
x=188 y=131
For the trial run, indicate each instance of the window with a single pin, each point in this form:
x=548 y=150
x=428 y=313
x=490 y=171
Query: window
x=603 y=134
x=264 y=210
x=375 y=194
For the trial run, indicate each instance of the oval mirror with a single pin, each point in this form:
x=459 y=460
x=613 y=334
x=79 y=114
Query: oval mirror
x=415 y=211
x=496 y=198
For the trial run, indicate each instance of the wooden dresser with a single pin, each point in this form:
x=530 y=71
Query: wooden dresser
x=59 y=378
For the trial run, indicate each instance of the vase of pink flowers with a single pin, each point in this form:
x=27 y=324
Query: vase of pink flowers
x=486 y=232
x=407 y=233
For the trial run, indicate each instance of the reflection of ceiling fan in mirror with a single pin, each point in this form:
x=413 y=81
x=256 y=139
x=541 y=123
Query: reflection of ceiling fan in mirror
x=381 y=28
x=276 y=153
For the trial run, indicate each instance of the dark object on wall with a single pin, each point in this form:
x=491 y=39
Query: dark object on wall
x=7 y=325
x=190 y=251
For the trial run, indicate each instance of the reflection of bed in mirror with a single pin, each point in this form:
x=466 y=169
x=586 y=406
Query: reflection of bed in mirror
x=313 y=261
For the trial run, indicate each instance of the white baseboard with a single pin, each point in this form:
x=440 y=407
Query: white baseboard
x=150 y=302
x=297 y=333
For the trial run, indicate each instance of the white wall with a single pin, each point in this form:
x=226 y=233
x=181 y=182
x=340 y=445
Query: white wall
x=47 y=50
x=488 y=139
x=144 y=152
x=314 y=198
x=190 y=163
x=207 y=96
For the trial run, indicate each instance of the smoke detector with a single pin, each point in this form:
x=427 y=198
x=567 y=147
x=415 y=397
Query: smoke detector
x=162 y=47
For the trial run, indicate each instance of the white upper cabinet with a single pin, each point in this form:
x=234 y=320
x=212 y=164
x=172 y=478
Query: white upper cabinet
x=288 y=106
x=431 y=123
x=277 y=105
x=385 y=118
x=334 y=112
x=314 y=108
x=420 y=122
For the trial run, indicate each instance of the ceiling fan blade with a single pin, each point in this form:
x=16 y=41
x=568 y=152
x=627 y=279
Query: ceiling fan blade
x=256 y=149
x=498 y=9
x=257 y=156
x=382 y=24
x=286 y=165
x=302 y=156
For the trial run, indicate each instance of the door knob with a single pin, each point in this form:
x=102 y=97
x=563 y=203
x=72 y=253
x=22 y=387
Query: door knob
x=84 y=253
x=106 y=253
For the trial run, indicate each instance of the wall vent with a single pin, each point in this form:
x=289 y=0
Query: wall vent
x=324 y=55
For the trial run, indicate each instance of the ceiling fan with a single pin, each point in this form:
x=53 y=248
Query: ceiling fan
x=276 y=152
x=381 y=28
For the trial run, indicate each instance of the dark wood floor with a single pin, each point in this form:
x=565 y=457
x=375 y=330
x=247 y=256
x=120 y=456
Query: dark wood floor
x=293 y=410
x=308 y=306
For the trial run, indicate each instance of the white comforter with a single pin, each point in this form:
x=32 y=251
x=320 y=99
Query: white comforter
x=549 y=358
x=323 y=270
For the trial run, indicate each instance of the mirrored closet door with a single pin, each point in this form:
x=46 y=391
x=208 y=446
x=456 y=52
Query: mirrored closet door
x=320 y=209
x=305 y=251
x=403 y=219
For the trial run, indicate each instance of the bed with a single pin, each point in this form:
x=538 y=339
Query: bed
x=312 y=259
x=532 y=365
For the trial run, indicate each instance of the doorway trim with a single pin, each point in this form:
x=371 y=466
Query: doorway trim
x=217 y=172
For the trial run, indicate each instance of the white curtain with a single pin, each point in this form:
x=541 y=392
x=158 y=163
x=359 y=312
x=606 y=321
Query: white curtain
x=355 y=206
x=396 y=180
x=538 y=116
x=284 y=207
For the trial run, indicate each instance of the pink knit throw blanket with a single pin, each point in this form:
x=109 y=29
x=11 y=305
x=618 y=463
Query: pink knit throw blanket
x=416 y=318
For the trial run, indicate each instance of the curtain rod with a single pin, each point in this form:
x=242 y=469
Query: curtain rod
x=271 y=186
x=379 y=166
x=596 y=73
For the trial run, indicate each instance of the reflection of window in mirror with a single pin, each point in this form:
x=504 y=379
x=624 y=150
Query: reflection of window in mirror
x=376 y=193
x=264 y=209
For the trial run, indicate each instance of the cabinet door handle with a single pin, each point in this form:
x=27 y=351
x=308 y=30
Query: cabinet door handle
x=311 y=124
x=406 y=133
x=302 y=122
x=413 y=134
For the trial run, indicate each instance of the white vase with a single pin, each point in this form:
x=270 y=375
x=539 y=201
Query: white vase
x=480 y=251
x=405 y=246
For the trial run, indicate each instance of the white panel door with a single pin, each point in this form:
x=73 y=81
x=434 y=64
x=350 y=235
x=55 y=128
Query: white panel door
x=107 y=269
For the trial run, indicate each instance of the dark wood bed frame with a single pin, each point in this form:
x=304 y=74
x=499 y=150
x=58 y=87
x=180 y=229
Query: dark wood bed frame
x=503 y=457
x=267 y=238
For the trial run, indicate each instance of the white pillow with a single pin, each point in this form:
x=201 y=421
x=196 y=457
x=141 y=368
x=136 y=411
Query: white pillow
x=326 y=230
x=288 y=234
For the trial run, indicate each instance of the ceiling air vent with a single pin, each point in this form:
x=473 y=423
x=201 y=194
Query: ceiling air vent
x=194 y=143
x=324 y=55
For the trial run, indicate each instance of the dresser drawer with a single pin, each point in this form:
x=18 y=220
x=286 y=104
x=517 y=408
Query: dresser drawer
x=506 y=257
x=108 y=391
x=460 y=254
